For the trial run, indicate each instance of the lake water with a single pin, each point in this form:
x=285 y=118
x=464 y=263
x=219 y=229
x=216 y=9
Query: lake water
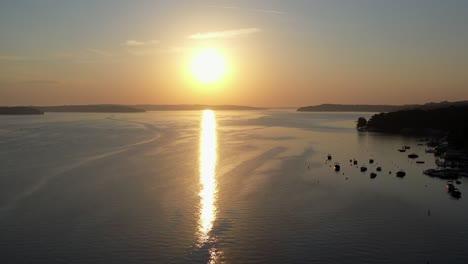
x=218 y=187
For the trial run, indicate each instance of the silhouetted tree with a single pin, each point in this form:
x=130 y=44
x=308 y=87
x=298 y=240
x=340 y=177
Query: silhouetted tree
x=361 y=123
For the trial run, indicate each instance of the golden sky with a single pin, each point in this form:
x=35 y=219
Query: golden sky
x=274 y=53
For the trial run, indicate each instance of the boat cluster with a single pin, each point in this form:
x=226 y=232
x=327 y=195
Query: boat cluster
x=412 y=155
x=363 y=168
x=451 y=164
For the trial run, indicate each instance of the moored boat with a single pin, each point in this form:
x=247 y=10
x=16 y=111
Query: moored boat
x=337 y=167
x=456 y=193
x=450 y=187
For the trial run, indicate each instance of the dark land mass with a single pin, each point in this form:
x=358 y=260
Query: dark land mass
x=349 y=108
x=451 y=121
x=377 y=108
x=445 y=104
x=194 y=107
x=19 y=110
x=90 y=109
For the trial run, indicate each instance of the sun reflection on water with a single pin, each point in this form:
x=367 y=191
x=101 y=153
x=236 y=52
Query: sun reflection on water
x=207 y=175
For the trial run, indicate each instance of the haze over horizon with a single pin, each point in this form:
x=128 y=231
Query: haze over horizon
x=261 y=53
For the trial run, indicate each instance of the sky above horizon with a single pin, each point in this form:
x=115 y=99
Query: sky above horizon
x=277 y=53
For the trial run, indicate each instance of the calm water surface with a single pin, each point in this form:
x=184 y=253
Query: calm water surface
x=218 y=187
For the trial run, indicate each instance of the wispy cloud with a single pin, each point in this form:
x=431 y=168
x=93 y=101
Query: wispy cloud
x=174 y=49
x=14 y=83
x=15 y=58
x=77 y=56
x=85 y=56
x=139 y=43
x=270 y=11
x=142 y=52
x=103 y=53
x=255 y=10
x=141 y=47
x=40 y=82
x=225 y=34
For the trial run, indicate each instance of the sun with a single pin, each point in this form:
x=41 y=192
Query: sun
x=208 y=65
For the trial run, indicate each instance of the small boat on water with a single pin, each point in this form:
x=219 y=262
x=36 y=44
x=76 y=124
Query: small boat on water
x=456 y=193
x=379 y=168
x=337 y=167
x=329 y=157
x=450 y=187
x=413 y=156
x=402 y=150
x=373 y=175
x=420 y=162
x=458 y=182
x=401 y=174
x=371 y=161
x=363 y=168
x=355 y=162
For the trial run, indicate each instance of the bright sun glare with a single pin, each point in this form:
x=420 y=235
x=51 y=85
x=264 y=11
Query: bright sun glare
x=208 y=65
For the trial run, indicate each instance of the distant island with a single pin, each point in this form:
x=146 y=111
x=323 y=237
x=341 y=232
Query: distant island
x=194 y=107
x=377 y=108
x=19 y=110
x=90 y=109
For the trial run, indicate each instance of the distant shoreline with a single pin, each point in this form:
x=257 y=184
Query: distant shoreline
x=109 y=108
x=377 y=108
x=19 y=110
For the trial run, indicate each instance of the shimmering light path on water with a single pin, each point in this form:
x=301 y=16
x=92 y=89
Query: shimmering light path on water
x=207 y=175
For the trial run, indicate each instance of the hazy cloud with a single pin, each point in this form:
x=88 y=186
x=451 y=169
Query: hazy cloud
x=14 y=58
x=270 y=11
x=141 y=48
x=174 y=49
x=142 y=52
x=40 y=82
x=100 y=52
x=85 y=56
x=139 y=43
x=255 y=10
x=11 y=58
x=224 y=34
